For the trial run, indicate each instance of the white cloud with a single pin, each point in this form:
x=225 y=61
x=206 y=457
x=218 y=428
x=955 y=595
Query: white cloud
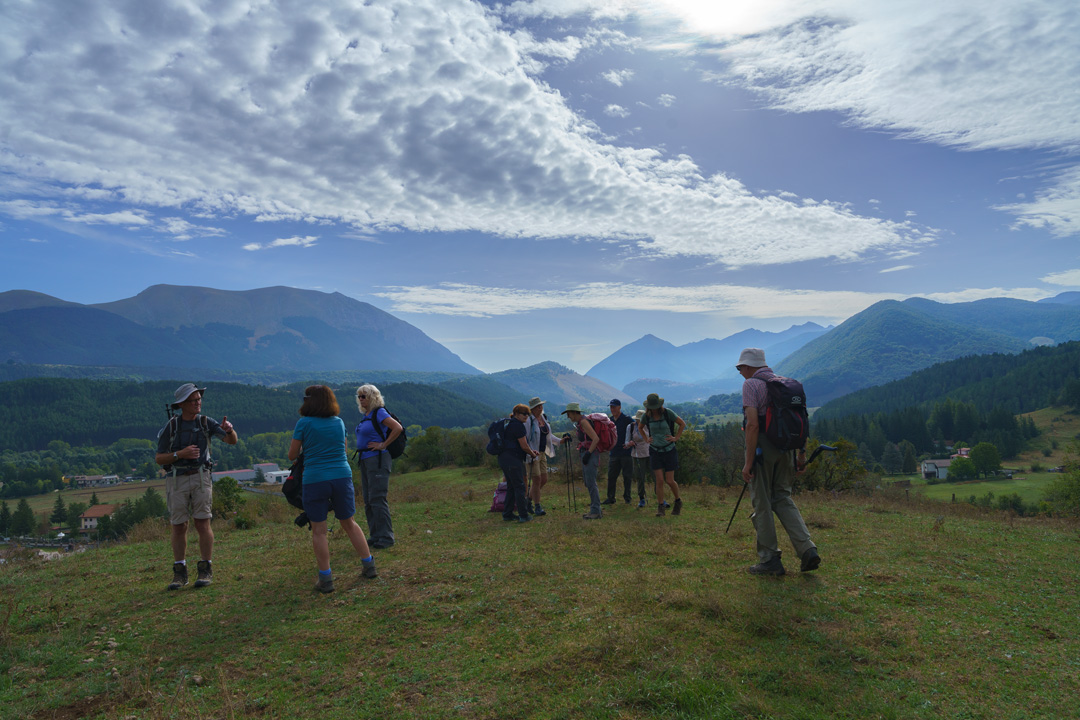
x=617 y=77
x=295 y=241
x=896 y=268
x=454 y=299
x=666 y=100
x=616 y=111
x=420 y=114
x=1056 y=208
x=1068 y=278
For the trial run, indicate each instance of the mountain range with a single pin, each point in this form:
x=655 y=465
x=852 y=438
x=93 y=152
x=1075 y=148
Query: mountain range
x=697 y=369
x=276 y=328
x=892 y=339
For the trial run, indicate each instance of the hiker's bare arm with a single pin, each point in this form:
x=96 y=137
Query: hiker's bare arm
x=751 y=430
x=525 y=446
x=230 y=432
x=678 y=433
x=395 y=429
x=591 y=434
x=294 y=449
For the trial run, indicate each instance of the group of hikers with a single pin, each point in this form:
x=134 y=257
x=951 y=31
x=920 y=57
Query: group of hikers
x=647 y=441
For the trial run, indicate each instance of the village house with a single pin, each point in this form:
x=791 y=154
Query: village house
x=88 y=521
x=93 y=481
x=936 y=468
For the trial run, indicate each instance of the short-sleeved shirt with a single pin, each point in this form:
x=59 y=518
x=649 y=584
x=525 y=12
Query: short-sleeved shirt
x=660 y=428
x=189 y=432
x=325 y=454
x=511 y=448
x=366 y=432
x=755 y=393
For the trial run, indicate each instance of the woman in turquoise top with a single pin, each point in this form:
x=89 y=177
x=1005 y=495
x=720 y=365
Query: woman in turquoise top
x=327 y=480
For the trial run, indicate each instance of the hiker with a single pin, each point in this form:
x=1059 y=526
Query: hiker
x=515 y=448
x=590 y=459
x=619 y=460
x=770 y=473
x=327 y=480
x=638 y=447
x=539 y=437
x=375 y=464
x=183 y=449
x=658 y=426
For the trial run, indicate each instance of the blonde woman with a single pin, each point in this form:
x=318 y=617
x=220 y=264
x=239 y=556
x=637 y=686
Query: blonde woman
x=373 y=435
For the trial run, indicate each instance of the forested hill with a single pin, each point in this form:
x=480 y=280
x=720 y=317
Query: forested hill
x=1017 y=384
x=35 y=411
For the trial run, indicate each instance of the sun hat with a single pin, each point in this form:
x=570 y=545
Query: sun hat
x=184 y=392
x=534 y=402
x=639 y=414
x=571 y=407
x=653 y=402
x=752 y=357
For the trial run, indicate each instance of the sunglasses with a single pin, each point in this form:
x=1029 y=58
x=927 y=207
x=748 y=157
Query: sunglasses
x=361 y=396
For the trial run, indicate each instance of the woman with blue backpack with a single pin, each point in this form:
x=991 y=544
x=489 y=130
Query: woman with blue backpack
x=375 y=433
x=327 y=480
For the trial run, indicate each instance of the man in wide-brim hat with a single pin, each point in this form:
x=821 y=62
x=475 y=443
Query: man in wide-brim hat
x=183 y=449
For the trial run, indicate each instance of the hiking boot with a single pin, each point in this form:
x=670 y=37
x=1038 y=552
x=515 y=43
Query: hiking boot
x=206 y=574
x=609 y=501
x=678 y=507
x=810 y=560
x=592 y=516
x=641 y=503
x=627 y=500
x=773 y=567
x=523 y=519
x=369 y=570
x=540 y=510
x=660 y=511
x=667 y=504
x=510 y=518
x=179 y=576
x=324 y=585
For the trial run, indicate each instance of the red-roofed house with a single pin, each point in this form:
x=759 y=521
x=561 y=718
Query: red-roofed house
x=88 y=521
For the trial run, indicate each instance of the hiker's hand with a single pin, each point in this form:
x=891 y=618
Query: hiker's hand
x=671 y=438
x=748 y=472
x=225 y=424
x=191 y=452
x=800 y=463
x=374 y=446
x=565 y=437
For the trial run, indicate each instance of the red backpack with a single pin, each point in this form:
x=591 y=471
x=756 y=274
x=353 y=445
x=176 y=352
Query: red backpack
x=605 y=432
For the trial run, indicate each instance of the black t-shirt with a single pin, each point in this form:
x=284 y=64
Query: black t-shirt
x=511 y=448
x=190 y=432
x=621 y=423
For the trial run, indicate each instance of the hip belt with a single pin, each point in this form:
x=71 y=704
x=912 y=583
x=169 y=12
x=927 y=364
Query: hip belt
x=186 y=471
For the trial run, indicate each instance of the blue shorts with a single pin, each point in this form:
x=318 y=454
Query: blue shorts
x=666 y=461
x=319 y=495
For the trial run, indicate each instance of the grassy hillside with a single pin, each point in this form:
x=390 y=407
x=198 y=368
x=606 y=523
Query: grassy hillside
x=913 y=614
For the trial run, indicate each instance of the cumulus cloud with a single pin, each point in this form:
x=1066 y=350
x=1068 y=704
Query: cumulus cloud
x=412 y=114
x=295 y=241
x=616 y=111
x=666 y=100
x=617 y=77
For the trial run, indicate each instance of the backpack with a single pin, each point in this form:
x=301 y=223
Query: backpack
x=786 y=422
x=495 y=436
x=498 y=500
x=293 y=487
x=395 y=448
x=605 y=430
x=174 y=436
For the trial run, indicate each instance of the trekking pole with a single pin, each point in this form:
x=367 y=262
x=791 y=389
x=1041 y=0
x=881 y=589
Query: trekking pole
x=813 y=456
x=567 y=474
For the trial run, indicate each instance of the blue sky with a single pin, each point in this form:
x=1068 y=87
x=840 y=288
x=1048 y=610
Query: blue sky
x=546 y=180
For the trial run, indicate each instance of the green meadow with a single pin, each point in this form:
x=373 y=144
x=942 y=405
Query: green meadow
x=919 y=610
